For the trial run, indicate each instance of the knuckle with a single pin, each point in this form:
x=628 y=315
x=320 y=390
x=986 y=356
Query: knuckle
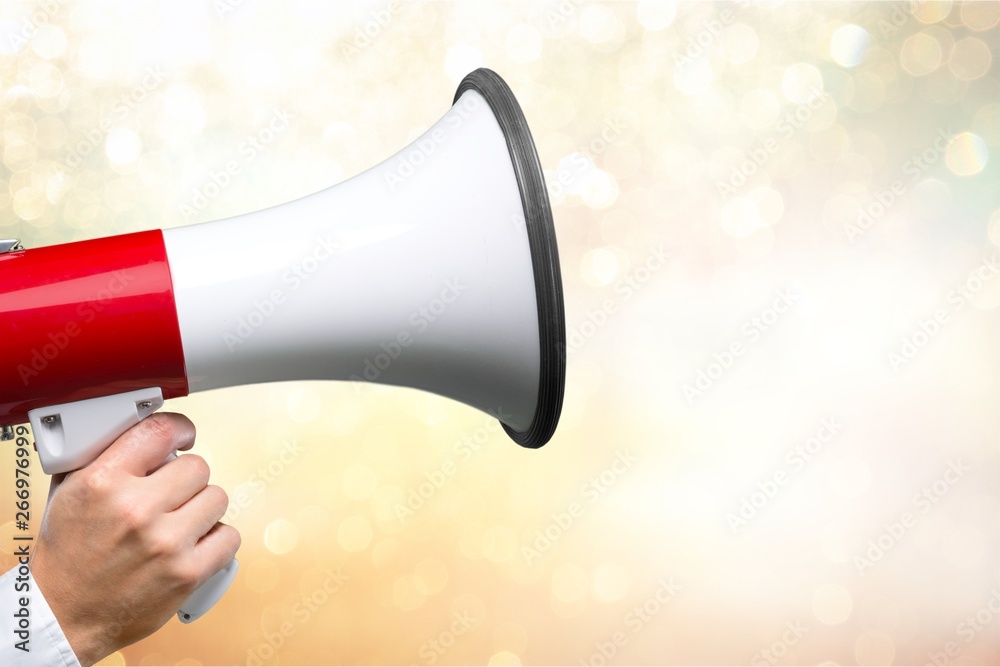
x=134 y=516
x=186 y=572
x=160 y=426
x=197 y=466
x=230 y=536
x=219 y=496
x=161 y=544
x=94 y=480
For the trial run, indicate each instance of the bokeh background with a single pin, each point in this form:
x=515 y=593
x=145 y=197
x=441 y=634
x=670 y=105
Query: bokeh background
x=813 y=186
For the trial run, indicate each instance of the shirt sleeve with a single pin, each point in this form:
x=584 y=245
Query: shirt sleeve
x=30 y=635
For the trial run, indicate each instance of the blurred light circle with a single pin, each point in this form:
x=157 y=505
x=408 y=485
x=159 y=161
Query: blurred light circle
x=569 y=583
x=49 y=42
x=280 y=536
x=693 y=76
x=94 y=57
x=801 y=82
x=759 y=109
x=757 y=244
x=598 y=23
x=921 y=54
x=849 y=45
x=738 y=44
x=29 y=204
x=740 y=217
x=930 y=12
x=966 y=155
x=406 y=595
x=874 y=648
x=832 y=604
x=504 y=658
x=970 y=59
x=610 y=582
x=770 y=205
x=431 y=576
x=122 y=146
x=354 y=534
x=358 y=482
x=994 y=228
x=261 y=575
x=524 y=44
x=45 y=80
x=600 y=267
x=986 y=123
x=601 y=190
x=509 y=636
x=499 y=543
x=656 y=14
x=980 y=16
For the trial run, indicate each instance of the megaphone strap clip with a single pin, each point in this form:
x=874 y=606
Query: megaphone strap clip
x=10 y=245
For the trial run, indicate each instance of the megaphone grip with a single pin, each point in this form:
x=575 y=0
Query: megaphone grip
x=205 y=596
x=544 y=253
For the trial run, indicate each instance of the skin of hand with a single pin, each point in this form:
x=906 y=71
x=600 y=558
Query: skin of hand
x=124 y=542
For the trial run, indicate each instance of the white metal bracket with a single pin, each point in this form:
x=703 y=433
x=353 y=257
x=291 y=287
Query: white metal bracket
x=71 y=435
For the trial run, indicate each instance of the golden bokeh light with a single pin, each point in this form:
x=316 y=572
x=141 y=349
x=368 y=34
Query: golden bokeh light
x=771 y=218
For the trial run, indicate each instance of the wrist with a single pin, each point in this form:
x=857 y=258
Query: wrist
x=81 y=631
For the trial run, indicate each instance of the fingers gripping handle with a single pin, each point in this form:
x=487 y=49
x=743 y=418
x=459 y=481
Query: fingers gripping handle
x=71 y=435
x=210 y=592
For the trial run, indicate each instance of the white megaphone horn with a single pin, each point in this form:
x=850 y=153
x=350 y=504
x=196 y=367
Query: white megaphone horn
x=436 y=269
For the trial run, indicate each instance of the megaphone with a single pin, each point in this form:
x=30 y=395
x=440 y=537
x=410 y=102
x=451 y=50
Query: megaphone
x=436 y=269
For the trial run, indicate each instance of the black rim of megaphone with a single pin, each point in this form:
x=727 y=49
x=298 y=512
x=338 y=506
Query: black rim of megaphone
x=544 y=253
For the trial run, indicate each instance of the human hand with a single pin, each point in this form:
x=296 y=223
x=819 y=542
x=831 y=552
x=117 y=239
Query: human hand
x=121 y=548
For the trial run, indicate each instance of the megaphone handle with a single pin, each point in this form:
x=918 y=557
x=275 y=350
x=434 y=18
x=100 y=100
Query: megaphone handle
x=71 y=435
x=205 y=596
